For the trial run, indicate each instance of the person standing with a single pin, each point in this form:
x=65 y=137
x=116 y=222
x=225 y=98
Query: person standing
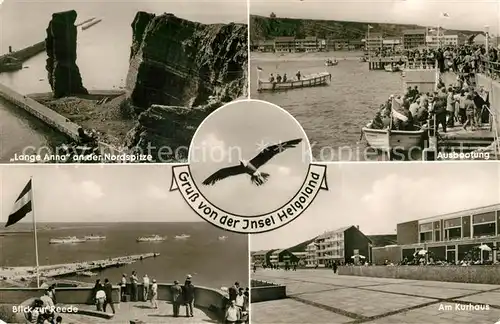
x=100 y=299
x=233 y=291
x=154 y=294
x=176 y=297
x=133 y=286
x=108 y=290
x=233 y=314
x=145 y=288
x=188 y=296
x=123 y=287
x=335 y=267
x=240 y=299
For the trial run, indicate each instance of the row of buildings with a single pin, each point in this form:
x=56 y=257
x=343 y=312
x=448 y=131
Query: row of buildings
x=450 y=237
x=373 y=42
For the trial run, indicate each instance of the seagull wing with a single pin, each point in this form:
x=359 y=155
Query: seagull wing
x=224 y=173
x=269 y=152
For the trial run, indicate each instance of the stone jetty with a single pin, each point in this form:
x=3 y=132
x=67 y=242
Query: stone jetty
x=57 y=270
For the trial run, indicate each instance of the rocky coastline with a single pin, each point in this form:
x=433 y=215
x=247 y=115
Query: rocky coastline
x=180 y=71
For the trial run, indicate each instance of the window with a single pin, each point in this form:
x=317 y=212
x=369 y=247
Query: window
x=425 y=237
x=484 y=218
x=426 y=227
x=454 y=222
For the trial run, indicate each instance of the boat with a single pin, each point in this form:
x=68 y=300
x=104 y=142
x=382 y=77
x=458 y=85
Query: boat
x=331 y=62
x=385 y=140
x=391 y=68
x=362 y=59
x=86 y=273
x=151 y=238
x=182 y=236
x=222 y=238
x=93 y=237
x=312 y=80
x=66 y=240
x=91 y=23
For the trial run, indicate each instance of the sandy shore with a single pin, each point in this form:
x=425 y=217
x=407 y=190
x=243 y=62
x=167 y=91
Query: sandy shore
x=298 y=57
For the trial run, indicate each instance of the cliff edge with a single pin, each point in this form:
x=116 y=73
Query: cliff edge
x=63 y=73
x=180 y=71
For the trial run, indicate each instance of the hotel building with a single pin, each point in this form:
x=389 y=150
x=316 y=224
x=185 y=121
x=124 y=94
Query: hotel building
x=341 y=245
x=448 y=237
x=413 y=38
x=374 y=42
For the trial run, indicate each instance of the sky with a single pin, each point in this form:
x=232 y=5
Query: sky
x=466 y=15
x=234 y=132
x=378 y=196
x=111 y=193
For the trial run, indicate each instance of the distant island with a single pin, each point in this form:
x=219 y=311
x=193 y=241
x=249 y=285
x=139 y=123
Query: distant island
x=268 y=28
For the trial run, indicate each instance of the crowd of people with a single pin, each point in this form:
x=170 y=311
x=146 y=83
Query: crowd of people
x=456 y=104
x=42 y=309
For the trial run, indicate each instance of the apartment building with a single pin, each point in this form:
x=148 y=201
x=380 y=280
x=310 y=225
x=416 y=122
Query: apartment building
x=414 y=38
x=308 y=44
x=283 y=257
x=284 y=44
x=344 y=245
x=374 y=42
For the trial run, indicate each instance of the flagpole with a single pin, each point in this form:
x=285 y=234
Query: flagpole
x=34 y=233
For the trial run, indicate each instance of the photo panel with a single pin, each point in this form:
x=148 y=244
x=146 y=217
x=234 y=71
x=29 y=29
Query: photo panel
x=382 y=80
x=388 y=243
x=115 y=81
x=112 y=244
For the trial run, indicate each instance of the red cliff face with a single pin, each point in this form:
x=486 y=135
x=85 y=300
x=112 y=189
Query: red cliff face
x=180 y=71
x=63 y=73
x=182 y=63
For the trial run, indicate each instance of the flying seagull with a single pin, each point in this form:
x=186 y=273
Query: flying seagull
x=252 y=167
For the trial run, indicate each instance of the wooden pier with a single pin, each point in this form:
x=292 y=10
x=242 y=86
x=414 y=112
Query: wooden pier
x=378 y=63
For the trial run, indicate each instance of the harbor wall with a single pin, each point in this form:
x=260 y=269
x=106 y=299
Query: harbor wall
x=27 y=52
x=45 y=114
x=205 y=297
x=266 y=291
x=493 y=87
x=481 y=274
x=64 y=295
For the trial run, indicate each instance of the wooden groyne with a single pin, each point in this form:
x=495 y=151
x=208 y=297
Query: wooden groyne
x=84 y=22
x=58 y=270
x=90 y=24
x=93 y=95
x=45 y=114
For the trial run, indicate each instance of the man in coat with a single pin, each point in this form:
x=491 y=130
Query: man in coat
x=176 y=297
x=188 y=296
x=108 y=289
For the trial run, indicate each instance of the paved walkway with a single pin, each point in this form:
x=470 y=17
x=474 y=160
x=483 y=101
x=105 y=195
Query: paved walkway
x=141 y=311
x=319 y=296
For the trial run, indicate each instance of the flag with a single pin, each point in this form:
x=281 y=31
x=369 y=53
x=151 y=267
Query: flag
x=22 y=206
x=259 y=69
x=370 y=26
x=445 y=15
x=397 y=105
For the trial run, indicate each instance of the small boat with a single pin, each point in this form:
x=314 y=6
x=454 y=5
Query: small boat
x=312 y=80
x=182 y=236
x=66 y=240
x=151 y=238
x=391 y=68
x=93 y=237
x=331 y=62
x=86 y=273
x=385 y=140
x=222 y=238
x=91 y=23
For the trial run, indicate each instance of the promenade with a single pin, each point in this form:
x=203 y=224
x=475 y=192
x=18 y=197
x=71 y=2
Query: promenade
x=126 y=312
x=320 y=296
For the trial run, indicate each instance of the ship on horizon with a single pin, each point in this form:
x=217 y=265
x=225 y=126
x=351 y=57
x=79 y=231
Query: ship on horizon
x=93 y=237
x=151 y=238
x=182 y=236
x=67 y=240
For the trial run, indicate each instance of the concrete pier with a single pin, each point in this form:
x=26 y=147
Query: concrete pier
x=45 y=114
x=20 y=56
x=57 y=270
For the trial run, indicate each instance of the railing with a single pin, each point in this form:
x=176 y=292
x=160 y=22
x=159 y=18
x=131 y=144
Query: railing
x=489 y=68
